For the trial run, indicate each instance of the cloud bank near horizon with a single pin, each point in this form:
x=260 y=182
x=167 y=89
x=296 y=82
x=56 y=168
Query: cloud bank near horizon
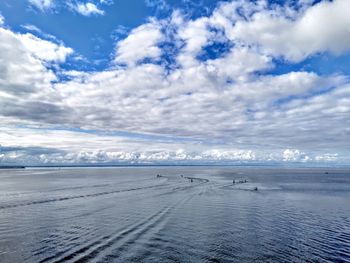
x=228 y=86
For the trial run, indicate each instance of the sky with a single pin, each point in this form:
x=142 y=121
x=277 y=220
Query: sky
x=174 y=81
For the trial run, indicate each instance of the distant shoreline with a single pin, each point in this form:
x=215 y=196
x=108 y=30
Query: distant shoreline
x=171 y=165
x=12 y=167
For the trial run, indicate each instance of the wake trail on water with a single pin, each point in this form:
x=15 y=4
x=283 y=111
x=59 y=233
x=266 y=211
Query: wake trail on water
x=65 y=198
x=124 y=238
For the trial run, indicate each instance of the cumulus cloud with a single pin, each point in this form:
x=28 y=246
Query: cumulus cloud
x=44 y=50
x=24 y=60
x=141 y=43
x=81 y=147
x=88 y=9
x=26 y=91
x=293 y=35
x=20 y=70
x=220 y=107
x=294 y=155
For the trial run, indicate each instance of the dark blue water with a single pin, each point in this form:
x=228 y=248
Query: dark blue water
x=130 y=215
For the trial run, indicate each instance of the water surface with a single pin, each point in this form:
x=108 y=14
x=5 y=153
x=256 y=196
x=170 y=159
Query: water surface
x=189 y=214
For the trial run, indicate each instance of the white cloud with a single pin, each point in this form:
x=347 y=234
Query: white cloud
x=43 y=49
x=107 y=2
x=26 y=90
x=87 y=9
x=37 y=31
x=294 y=155
x=42 y=4
x=32 y=28
x=195 y=34
x=159 y=4
x=140 y=44
x=239 y=63
x=76 y=147
x=235 y=155
x=22 y=68
x=223 y=108
x=329 y=157
x=295 y=36
x=84 y=8
x=239 y=113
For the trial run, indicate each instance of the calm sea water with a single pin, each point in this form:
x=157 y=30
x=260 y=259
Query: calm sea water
x=130 y=215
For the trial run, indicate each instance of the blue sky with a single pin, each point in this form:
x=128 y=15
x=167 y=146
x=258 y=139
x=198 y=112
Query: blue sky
x=93 y=36
x=152 y=81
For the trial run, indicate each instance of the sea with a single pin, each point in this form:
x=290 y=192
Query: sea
x=175 y=214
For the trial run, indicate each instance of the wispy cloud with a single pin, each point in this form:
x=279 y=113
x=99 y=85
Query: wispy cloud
x=160 y=5
x=32 y=28
x=42 y=5
x=87 y=9
x=84 y=8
